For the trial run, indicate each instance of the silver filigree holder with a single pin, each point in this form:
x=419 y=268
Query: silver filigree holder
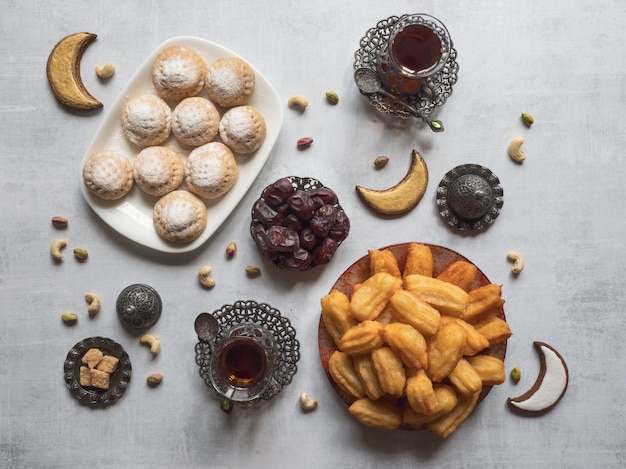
x=425 y=100
x=278 y=326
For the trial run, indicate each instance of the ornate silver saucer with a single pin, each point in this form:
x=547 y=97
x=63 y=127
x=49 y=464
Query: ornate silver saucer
x=469 y=197
x=278 y=326
x=420 y=104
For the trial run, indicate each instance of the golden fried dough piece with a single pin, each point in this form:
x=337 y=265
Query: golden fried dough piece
x=365 y=369
x=342 y=371
x=465 y=378
x=446 y=297
x=389 y=370
x=92 y=357
x=460 y=273
x=446 y=400
x=383 y=261
x=421 y=394
x=446 y=424
x=386 y=315
x=372 y=296
x=490 y=369
x=494 y=329
x=419 y=260
x=336 y=314
x=476 y=342
x=380 y=413
x=445 y=350
x=362 y=338
x=410 y=309
x=483 y=301
x=407 y=343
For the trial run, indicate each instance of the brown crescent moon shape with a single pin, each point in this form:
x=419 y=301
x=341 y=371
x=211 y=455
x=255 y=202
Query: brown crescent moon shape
x=63 y=71
x=550 y=385
x=403 y=196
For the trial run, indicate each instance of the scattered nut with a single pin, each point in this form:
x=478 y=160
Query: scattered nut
x=153 y=342
x=381 y=161
x=304 y=142
x=154 y=379
x=298 y=100
x=59 y=221
x=306 y=403
x=518 y=261
x=94 y=303
x=204 y=276
x=55 y=249
x=332 y=97
x=106 y=71
x=81 y=253
x=253 y=271
x=69 y=318
x=516 y=374
x=515 y=150
x=231 y=249
x=528 y=119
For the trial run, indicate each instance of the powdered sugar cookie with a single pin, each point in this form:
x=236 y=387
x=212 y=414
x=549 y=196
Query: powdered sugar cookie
x=230 y=81
x=211 y=170
x=178 y=72
x=146 y=120
x=243 y=129
x=195 y=121
x=179 y=217
x=158 y=170
x=108 y=175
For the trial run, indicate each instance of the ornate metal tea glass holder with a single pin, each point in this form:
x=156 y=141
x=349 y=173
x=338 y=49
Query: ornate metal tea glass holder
x=266 y=324
x=420 y=103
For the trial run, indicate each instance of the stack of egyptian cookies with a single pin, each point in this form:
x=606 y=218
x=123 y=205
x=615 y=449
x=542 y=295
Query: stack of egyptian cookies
x=205 y=109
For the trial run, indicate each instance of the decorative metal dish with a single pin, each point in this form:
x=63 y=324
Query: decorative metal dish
x=469 y=197
x=251 y=312
x=119 y=378
x=423 y=102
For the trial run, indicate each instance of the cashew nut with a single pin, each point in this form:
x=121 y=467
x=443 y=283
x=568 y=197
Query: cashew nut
x=55 y=249
x=155 y=345
x=306 y=403
x=515 y=150
x=518 y=261
x=106 y=71
x=298 y=100
x=94 y=303
x=204 y=276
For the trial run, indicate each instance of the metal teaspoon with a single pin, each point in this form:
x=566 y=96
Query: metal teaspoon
x=368 y=82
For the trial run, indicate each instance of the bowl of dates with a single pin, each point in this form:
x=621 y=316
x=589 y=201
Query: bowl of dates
x=297 y=223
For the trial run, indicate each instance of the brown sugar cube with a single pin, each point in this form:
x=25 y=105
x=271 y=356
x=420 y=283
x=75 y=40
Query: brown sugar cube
x=99 y=379
x=108 y=364
x=92 y=357
x=85 y=376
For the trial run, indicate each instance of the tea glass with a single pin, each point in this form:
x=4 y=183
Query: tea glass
x=418 y=47
x=241 y=368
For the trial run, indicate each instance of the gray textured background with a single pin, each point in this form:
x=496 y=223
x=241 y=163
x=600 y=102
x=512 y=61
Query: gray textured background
x=562 y=61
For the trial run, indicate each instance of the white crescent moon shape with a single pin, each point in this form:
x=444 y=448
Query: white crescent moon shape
x=550 y=385
x=404 y=195
x=63 y=71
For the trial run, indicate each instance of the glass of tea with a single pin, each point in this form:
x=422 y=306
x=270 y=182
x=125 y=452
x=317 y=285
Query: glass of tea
x=242 y=364
x=418 y=47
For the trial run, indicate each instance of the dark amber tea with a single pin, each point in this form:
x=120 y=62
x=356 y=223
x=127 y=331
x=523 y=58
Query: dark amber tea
x=243 y=362
x=416 y=47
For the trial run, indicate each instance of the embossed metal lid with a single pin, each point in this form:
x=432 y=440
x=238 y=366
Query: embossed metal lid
x=469 y=197
x=139 y=306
